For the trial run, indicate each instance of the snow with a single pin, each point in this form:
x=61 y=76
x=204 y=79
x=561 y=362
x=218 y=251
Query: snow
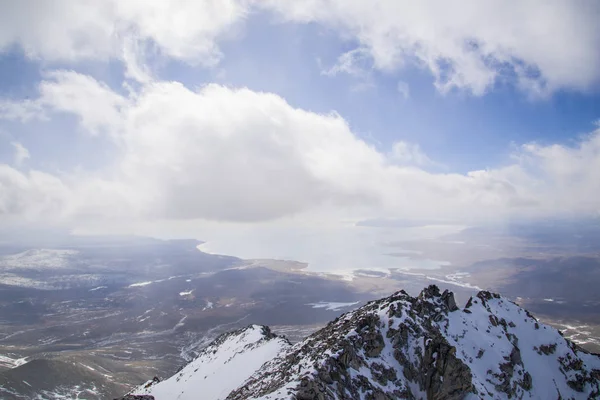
x=98 y=288
x=87 y=366
x=331 y=306
x=38 y=259
x=9 y=362
x=455 y=279
x=492 y=337
x=140 y=284
x=51 y=283
x=473 y=332
x=218 y=371
x=16 y=280
x=76 y=392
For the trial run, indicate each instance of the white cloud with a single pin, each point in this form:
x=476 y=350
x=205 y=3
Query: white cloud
x=233 y=154
x=227 y=154
x=355 y=62
x=570 y=174
x=20 y=111
x=32 y=196
x=404 y=153
x=403 y=89
x=97 y=106
x=21 y=153
x=543 y=45
x=74 y=30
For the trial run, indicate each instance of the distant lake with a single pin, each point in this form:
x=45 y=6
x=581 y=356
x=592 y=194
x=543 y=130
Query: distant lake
x=331 y=248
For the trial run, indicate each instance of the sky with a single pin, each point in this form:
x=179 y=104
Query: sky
x=272 y=128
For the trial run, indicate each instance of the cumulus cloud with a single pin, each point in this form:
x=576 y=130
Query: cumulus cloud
x=232 y=154
x=21 y=153
x=221 y=153
x=472 y=46
x=567 y=172
x=21 y=110
x=97 y=106
x=71 y=31
x=31 y=196
x=541 y=45
x=405 y=153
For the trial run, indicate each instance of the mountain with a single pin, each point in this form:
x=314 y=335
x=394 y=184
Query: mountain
x=399 y=347
x=221 y=367
x=56 y=379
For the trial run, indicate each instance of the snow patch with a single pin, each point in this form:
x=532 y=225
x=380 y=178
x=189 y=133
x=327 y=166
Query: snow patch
x=332 y=306
x=140 y=284
x=38 y=259
x=220 y=368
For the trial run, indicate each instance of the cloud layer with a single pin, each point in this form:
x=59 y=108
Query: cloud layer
x=541 y=46
x=226 y=154
x=67 y=30
x=230 y=154
x=470 y=46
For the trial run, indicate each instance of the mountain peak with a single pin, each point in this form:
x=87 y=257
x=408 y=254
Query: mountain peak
x=220 y=367
x=400 y=346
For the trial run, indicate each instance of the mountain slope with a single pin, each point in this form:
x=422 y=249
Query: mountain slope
x=414 y=348
x=221 y=367
x=55 y=379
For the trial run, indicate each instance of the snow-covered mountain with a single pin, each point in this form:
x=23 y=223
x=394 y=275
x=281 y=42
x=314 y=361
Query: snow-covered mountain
x=221 y=367
x=399 y=347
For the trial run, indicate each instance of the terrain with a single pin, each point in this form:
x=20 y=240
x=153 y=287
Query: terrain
x=552 y=268
x=393 y=348
x=91 y=317
x=110 y=315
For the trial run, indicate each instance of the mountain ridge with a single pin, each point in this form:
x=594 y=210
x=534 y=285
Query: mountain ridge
x=400 y=346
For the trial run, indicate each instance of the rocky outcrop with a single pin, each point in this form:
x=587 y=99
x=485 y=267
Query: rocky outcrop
x=382 y=351
x=425 y=347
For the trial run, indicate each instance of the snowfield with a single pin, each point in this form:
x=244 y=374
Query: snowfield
x=221 y=367
x=38 y=259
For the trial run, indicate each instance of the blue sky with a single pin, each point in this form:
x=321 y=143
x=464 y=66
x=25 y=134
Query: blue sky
x=460 y=131
x=281 y=116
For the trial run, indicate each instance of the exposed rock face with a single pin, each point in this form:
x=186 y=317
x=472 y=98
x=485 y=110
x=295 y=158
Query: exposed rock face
x=403 y=347
x=388 y=349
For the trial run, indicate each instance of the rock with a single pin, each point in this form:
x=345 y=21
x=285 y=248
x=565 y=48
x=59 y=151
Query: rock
x=526 y=383
x=449 y=301
x=448 y=377
x=413 y=347
x=515 y=356
x=547 y=349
